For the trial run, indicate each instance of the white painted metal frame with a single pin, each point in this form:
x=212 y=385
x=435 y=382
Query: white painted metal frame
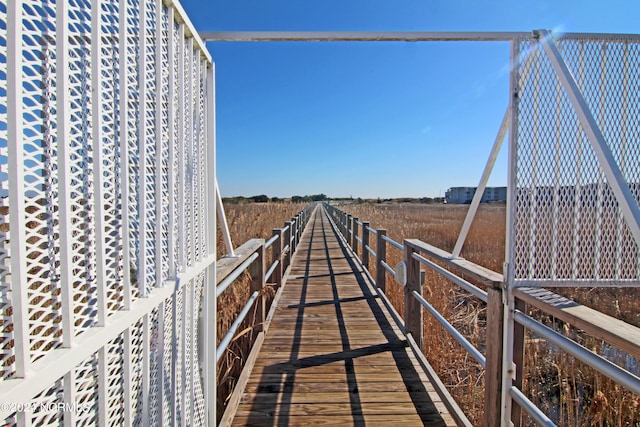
x=137 y=330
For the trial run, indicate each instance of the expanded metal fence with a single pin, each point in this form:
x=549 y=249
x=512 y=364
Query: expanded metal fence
x=106 y=158
x=568 y=226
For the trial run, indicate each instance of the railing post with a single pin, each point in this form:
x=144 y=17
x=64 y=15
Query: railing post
x=365 y=243
x=412 y=307
x=493 y=373
x=257 y=271
x=287 y=242
x=345 y=224
x=354 y=236
x=347 y=234
x=276 y=255
x=518 y=360
x=294 y=234
x=381 y=255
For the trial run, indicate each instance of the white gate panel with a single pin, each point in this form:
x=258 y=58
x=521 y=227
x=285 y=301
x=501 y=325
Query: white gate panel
x=104 y=221
x=568 y=225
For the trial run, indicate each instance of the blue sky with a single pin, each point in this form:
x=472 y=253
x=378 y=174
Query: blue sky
x=371 y=119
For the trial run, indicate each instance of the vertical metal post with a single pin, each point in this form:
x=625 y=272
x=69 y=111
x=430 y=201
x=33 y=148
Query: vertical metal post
x=381 y=256
x=171 y=121
x=365 y=244
x=15 y=158
x=143 y=156
x=160 y=133
x=210 y=301
x=124 y=154
x=412 y=308
x=98 y=162
x=508 y=271
x=64 y=178
x=182 y=231
x=191 y=155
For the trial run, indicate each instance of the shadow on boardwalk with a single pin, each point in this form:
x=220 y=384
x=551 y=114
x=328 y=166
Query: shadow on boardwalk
x=333 y=355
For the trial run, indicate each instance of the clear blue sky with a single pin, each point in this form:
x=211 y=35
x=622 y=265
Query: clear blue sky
x=363 y=119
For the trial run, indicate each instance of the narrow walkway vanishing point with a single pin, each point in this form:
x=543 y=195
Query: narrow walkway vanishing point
x=333 y=354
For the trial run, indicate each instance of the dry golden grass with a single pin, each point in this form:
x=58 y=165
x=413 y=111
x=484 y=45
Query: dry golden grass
x=569 y=391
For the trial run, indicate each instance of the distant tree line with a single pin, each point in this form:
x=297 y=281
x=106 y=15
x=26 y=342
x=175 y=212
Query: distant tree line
x=263 y=198
x=313 y=198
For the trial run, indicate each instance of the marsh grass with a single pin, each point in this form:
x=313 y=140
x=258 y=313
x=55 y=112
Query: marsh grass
x=570 y=392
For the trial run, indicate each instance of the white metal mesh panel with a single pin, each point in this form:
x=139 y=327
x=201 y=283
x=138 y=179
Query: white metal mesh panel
x=155 y=368
x=43 y=414
x=6 y=325
x=179 y=355
x=137 y=104
x=568 y=228
x=199 y=410
x=114 y=400
x=168 y=363
x=136 y=359
x=188 y=353
x=86 y=393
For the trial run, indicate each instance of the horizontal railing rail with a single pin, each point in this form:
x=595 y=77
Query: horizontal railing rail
x=599 y=325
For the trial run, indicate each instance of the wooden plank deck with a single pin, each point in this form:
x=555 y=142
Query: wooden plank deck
x=333 y=355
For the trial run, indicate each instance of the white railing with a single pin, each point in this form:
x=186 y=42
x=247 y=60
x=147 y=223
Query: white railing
x=107 y=230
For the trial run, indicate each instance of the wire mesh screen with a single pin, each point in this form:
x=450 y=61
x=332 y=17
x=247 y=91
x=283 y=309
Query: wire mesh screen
x=568 y=228
x=103 y=183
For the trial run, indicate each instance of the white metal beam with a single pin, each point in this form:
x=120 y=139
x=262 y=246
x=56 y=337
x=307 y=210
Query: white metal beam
x=407 y=36
x=18 y=241
x=477 y=197
x=223 y=222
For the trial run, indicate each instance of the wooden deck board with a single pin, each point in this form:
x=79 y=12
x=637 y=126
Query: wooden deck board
x=333 y=354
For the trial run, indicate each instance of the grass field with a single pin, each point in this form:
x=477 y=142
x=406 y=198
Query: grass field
x=570 y=392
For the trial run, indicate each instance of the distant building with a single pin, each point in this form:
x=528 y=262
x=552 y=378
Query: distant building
x=465 y=194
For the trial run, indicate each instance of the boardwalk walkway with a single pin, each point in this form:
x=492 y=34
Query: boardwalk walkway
x=333 y=354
